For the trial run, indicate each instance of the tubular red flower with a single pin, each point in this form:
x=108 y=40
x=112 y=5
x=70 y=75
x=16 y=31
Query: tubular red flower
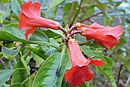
x=30 y=19
x=80 y=72
x=104 y=36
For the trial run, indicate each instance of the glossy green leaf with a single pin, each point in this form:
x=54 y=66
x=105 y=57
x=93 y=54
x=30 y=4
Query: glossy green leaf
x=54 y=3
x=8 y=53
x=105 y=69
x=46 y=75
x=4 y=75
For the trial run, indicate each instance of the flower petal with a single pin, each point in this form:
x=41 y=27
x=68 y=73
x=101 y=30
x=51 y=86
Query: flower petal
x=103 y=35
x=24 y=22
x=31 y=10
x=97 y=62
x=107 y=41
x=76 y=56
x=115 y=31
x=81 y=75
x=29 y=31
x=69 y=73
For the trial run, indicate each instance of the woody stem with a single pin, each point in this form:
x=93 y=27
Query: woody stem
x=75 y=32
x=63 y=30
x=72 y=28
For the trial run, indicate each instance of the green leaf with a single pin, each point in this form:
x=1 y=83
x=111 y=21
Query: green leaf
x=54 y=3
x=62 y=68
x=90 y=43
x=121 y=41
x=46 y=75
x=127 y=20
x=8 y=53
x=15 y=17
x=11 y=32
x=39 y=36
x=21 y=2
x=80 y=38
x=19 y=75
x=53 y=41
x=6 y=36
x=109 y=61
x=118 y=3
x=15 y=7
x=101 y=5
x=105 y=69
x=50 y=33
x=90 y=9
x=39 y=52
x=4 y=75
x=13 y=29
x=4 y=1
x=111 y=2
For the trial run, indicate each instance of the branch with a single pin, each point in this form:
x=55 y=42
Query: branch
x=75 y=32
x=68 y=21
x=77 y=12
x=62 y=29
x=119 y=74
x=3 y=63
x=127 y=81
x=118 y=15
x=72 y=28
x=88 y=18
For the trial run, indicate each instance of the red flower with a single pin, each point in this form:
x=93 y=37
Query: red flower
x=105 y=36
x=30 y=19
x=80 y=72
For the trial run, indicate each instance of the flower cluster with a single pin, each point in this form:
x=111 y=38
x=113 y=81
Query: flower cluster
x=80 y=72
